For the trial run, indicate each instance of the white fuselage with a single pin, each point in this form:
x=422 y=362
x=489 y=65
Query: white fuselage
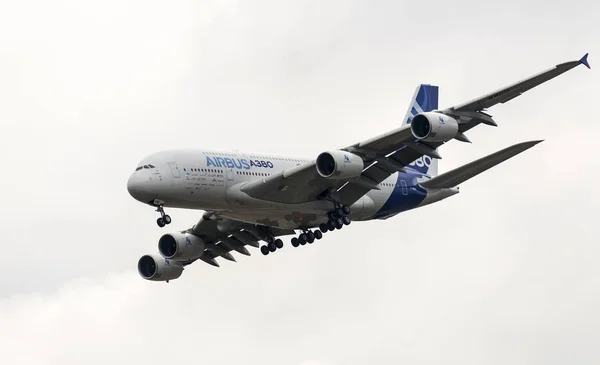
x=211 y=181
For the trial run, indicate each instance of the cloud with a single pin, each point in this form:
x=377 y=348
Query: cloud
x=469 y=291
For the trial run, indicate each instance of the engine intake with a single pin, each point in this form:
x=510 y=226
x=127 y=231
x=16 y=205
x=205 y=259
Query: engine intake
x=180 y=246
x=339 y=165
x=434 y=127
x=156 y=268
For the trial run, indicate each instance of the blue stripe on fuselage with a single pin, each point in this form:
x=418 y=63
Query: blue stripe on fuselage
x=403 y=199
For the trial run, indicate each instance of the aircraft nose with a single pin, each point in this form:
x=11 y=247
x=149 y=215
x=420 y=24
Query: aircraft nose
x=137 y=187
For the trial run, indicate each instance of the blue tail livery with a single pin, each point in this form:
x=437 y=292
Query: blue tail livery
x=425 y=99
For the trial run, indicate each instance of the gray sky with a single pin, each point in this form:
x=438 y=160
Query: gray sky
x=504 y=272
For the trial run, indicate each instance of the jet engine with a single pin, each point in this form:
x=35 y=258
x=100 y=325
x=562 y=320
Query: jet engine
x=434 y=127
x=339 y=165
x=180 y=246
x=156 y=268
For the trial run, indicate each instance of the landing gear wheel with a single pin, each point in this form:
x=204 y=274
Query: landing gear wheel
x=272 y=247
x=278 y=243
x=339 y=223
x=264 y=250
x=310 y=237
x=346 y=220
x=160 y=222
x=345 y=209
x=318 y=235
x=339 y=213
x=167 y=219
x=323 y=228
x=331 y=225
x=302 y=238
x=295 y=242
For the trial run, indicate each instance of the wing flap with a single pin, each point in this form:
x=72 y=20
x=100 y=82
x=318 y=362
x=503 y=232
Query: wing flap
x=459 y=175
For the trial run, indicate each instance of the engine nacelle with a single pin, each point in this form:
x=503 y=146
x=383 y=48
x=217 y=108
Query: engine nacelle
x=156 y=268
x=180 y=246
x=434 y=127
x=339 y=165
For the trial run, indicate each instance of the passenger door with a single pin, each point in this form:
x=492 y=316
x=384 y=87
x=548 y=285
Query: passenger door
x=404 y=187
x=175 y=169
x=230 y=178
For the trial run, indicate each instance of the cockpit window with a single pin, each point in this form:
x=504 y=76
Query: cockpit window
x=148 y=166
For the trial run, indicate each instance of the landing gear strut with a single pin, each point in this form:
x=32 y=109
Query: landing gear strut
x=164 y=218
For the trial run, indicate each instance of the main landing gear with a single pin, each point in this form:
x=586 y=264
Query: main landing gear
x=164 y=218
x=272 y=245
x=307 y=236
x=338 y=217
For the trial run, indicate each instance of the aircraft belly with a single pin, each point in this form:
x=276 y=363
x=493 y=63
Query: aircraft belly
x=280 y=219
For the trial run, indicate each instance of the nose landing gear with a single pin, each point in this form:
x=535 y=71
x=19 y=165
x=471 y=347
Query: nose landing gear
x=164 y=218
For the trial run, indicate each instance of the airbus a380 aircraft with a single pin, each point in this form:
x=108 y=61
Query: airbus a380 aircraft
x=248 y=198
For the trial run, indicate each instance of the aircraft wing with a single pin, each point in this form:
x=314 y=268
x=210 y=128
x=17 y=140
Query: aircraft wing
x=223 y=235
x=461 y=174
x=516 y=89
x=388 y=153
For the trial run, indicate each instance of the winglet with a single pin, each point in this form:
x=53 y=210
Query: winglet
x=584 y=61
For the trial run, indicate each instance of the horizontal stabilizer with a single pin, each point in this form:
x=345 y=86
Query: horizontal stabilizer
x=459 y=175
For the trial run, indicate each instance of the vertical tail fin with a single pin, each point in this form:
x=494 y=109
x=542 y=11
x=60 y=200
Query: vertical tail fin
x=425 y=99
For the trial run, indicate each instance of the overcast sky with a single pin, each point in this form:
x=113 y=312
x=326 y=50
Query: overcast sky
x=504 y=272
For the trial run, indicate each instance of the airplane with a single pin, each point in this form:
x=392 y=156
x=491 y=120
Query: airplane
x=251 y=197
